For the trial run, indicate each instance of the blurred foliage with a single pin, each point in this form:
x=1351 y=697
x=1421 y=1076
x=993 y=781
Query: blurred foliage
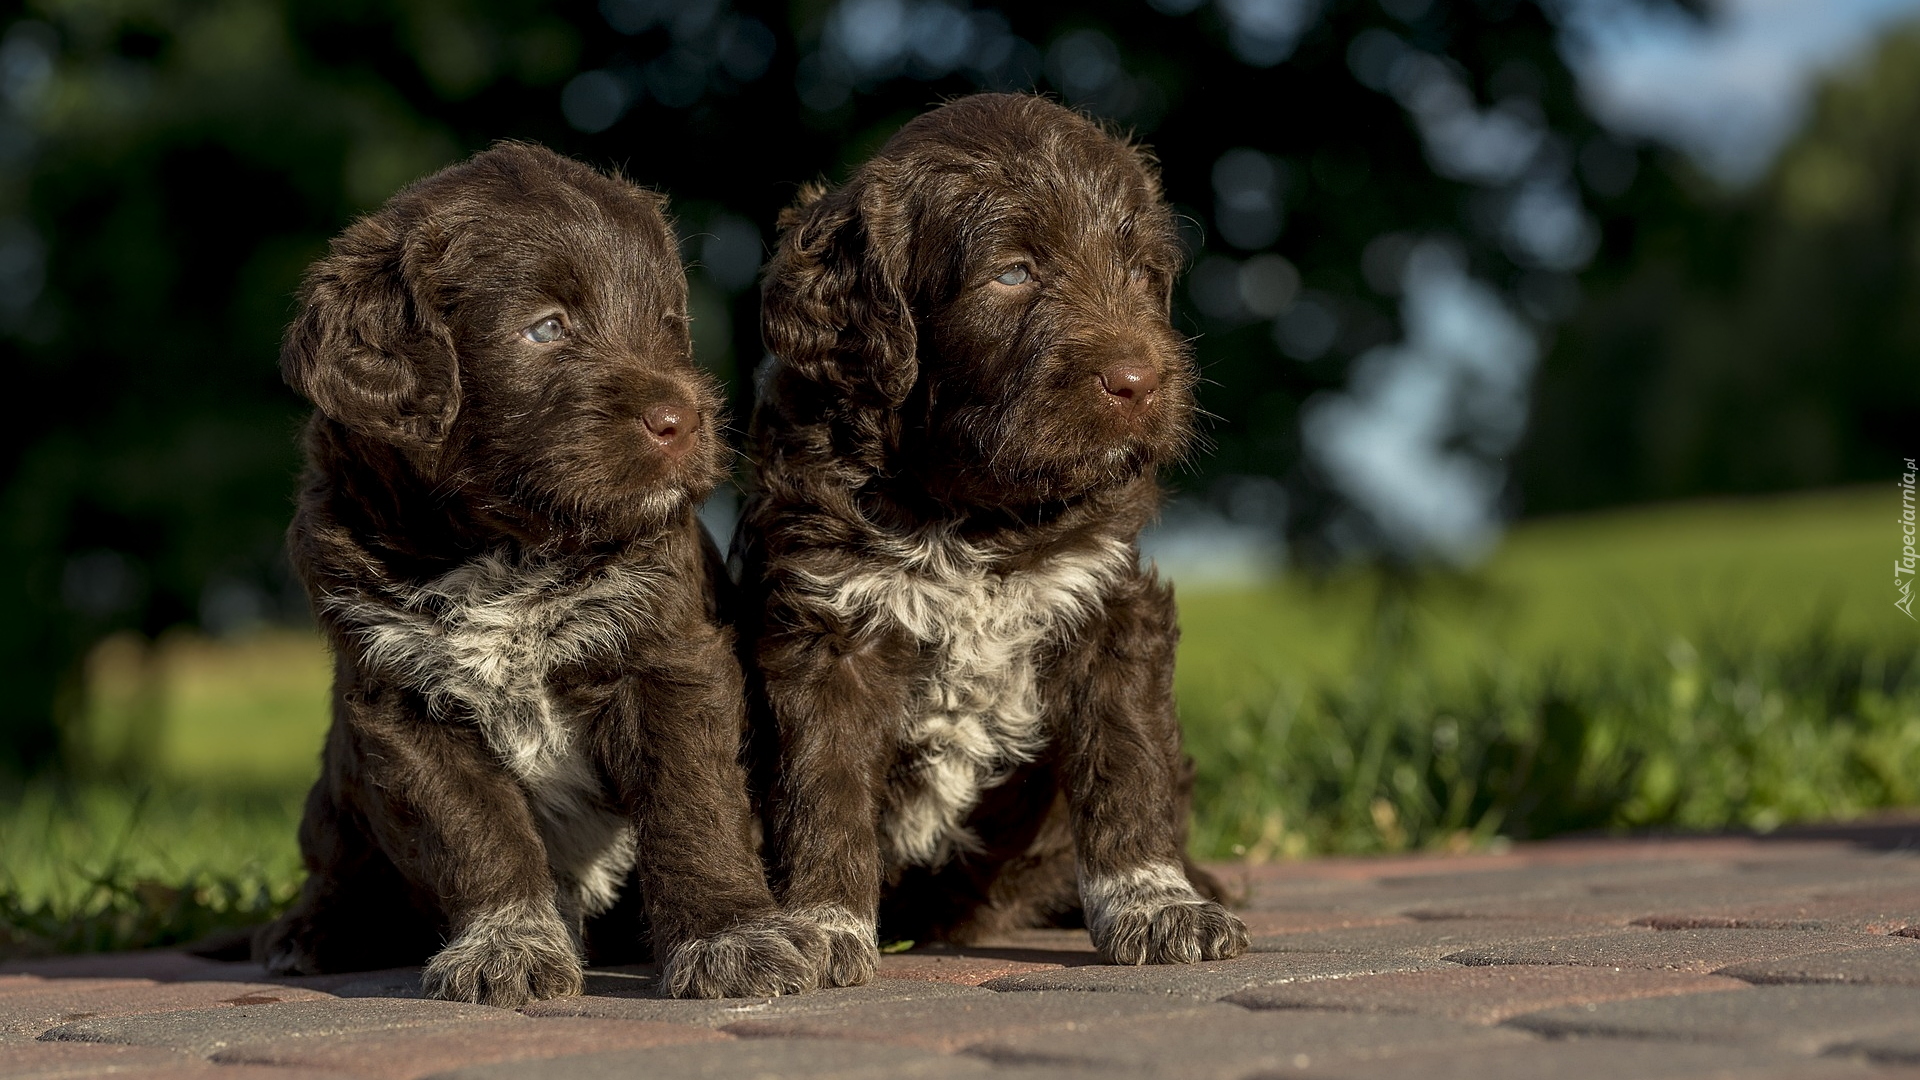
x=100 y=867
x=1715 y=664
x=1727 y=733
x=247 y=710
x=1757 y=340
x=167 y=169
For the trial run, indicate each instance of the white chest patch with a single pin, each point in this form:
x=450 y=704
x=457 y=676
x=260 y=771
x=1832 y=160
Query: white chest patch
x=977 y=713
x=480 y=644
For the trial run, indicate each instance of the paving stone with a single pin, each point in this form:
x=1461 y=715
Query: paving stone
x=1899 y=1048
x=1482 y=995
x=30 y=1012
x=188 y=1069
x=160 y=964
x=33 y=984
x=602 y=1005
x=1309 y=895
x=39 y=1060
x=1363 y=869
x=1062 y=946
x=1356 y=978
x=1585 y=907
x=1725 y=885
x=1801 y=1019
x=1835 y=865
x=967 y=968
x=1601 y=890
x=1024 y=950
x=1624 y=884
x=1672 y=950
x=198 y=1069
x=760 y=1059
x=394 y=983
x=1269 y=923
x=208 y=1031
x=1226 y=1042
x=400 y=1055
x=1877 y=910
x=1636 y=903
x=1606 y=1059
x=1609 y=856
x=1896 y=963
x=77 y=1061
x=1430 y=939
x=1215 y=979
x=950 y=1024
x=1545 y=881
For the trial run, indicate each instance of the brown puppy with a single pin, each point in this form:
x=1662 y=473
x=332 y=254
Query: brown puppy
x=534 y=703
x=967 y=679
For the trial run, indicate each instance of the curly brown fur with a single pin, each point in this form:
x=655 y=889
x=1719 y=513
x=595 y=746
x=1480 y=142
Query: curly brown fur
x=964 y=678
x=535 y=705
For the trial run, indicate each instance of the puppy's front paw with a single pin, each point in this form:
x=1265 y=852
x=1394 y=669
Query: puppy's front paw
x=1182 y=932
x=506 y=959
x=763 y=956
x=1153 y=916
x=852 y=951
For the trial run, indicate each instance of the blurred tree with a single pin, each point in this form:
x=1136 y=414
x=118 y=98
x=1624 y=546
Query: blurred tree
x=165 y=173
x=1390 y=200
x=1757 y=340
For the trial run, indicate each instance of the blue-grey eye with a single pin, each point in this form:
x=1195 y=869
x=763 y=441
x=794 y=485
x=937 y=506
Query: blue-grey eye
x=546 y=330
x=1015 y=275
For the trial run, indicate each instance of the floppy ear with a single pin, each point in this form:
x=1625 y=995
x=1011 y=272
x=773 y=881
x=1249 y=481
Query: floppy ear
x=834 y=304
x=366 y=350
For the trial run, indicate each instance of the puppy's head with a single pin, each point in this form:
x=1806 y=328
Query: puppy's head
x=514 y=328
x=997 y=280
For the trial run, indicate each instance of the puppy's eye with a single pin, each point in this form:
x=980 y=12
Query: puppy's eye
x=547 y=330
x=1016 y=274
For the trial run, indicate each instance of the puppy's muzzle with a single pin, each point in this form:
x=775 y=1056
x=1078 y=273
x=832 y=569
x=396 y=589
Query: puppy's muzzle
x=673 y=427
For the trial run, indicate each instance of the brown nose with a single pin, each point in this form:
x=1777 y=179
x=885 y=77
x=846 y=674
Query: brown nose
x=1130 y=385
x=672 y=427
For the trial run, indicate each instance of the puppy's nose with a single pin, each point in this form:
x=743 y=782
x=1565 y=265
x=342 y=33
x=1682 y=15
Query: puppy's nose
x=1130 y=384
x=672 y=427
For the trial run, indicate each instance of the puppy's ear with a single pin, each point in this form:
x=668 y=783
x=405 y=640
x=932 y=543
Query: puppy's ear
x=366 y=348
x=834 y=304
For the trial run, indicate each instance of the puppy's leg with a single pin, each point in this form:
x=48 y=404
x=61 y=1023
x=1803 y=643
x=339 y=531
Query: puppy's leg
x=832 y=707
x=673 y=748
x=354 y=912
x=459 y=829
x=1123 y=776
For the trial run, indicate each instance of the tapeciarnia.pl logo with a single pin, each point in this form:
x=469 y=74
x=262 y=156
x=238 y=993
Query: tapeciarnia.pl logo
x=1903 y=566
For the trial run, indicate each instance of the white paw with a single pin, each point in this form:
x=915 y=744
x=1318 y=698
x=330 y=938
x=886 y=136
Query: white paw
x=852 y=952
x=506 y=958
x=1153 y=916
x=764 y=956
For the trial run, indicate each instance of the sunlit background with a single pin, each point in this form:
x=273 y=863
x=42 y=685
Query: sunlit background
x=1562 y=358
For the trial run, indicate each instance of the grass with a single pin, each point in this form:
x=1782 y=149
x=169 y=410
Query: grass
x=102 y=865
x=191 y=712
x=1692 y=666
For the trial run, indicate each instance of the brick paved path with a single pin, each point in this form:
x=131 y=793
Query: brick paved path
x=1785 y=957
